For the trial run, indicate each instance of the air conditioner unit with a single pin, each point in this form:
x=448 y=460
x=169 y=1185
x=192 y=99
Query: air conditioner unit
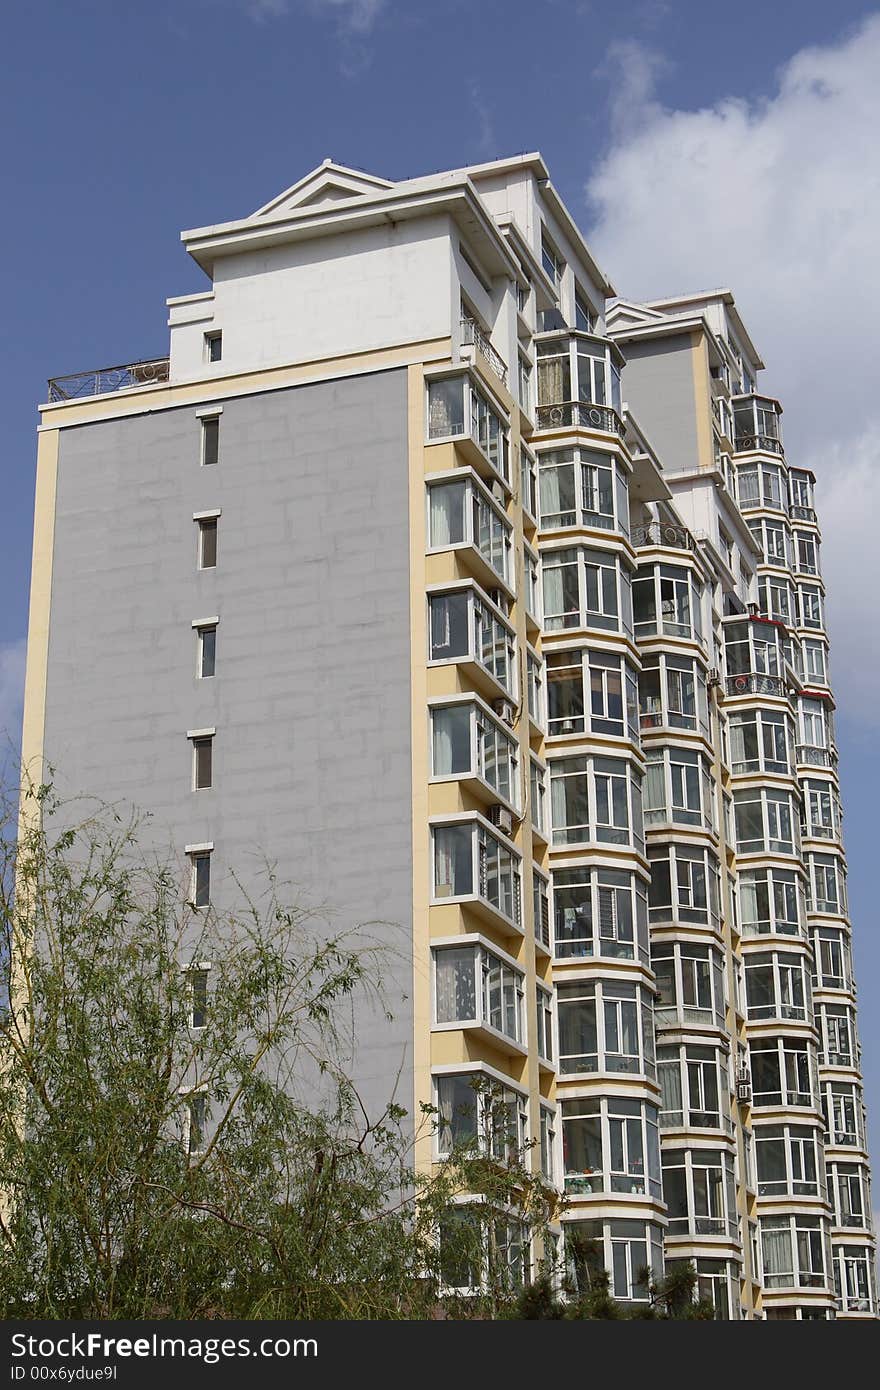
x=501 y=818
x=744 y=1092
x=499 y=492
x=714 y=676
x=504 y=709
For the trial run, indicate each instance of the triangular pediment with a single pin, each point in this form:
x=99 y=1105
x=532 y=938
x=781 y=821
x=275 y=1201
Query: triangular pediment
x=625 y=314
x=329 y=183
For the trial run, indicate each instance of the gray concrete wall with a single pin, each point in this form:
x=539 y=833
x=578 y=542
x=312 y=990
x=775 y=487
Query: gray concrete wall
x=311 y=700
x=658 y=383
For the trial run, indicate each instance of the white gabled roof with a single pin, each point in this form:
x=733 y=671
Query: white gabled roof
x=329 y=183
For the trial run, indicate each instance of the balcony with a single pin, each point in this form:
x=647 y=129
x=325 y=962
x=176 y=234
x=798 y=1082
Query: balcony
x=472 y=335
x=579 y=415
x=803 y=514
x=106 y=379
x=756 y=425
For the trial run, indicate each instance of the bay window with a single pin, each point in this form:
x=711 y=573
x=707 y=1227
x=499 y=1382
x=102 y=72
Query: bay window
x=783 y=1072
x=694 y=1086
x=832 y=962
x=766 y=821
x=465 y=627
x=806 y=553
x=777 y=986
x=849 y=1189
x=591 y=691
x=604 y=1025
x=700 y=1194
x=760 y=741
x=789 y=1161
x=470 y=863
x=793 y=1251
x=458 y=407
x=854 y=1278
x=684 y=885
x=838 y=1035
x=462 y=513
x=771 y=902
x=476 y=1111
x=599 y=912
x=578 y=368
x=754 y=659
x=582 y=487
x=475 y=987
x=667 y=599
x=827 y=884
x=672 y=692
x=761 y=485
x=678 y=788
x=690 y=983
x=595 y=799
x=776 y=599
x=843 y=1109
x=610 y=1144
x=467 y=742
x=626 y=1249
x=810 y=606
x=585 y=589
x=821 y=809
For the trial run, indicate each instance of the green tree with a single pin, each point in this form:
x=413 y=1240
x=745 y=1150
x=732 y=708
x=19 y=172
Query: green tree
x=158 y=1155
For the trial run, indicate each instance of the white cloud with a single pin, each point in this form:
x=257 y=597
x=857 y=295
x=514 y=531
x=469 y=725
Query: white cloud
x=778 y=199
x=352 y=16
x=12 y=657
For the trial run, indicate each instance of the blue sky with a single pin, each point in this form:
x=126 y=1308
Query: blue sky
x=697 y=145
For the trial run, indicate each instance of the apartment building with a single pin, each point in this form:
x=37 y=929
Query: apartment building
x=487 y=604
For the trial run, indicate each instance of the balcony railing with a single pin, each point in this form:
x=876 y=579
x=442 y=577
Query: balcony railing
x=98 y=383
x=767 y=443
x=803 y=514
x=579 y=415
x=811 y=756
x=472 y=335
x=663 y=533
x=754 y=683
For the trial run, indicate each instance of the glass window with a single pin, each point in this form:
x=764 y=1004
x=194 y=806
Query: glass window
x=473 y=985
x=600 y=912
x=210 y=439
x=604 y=1026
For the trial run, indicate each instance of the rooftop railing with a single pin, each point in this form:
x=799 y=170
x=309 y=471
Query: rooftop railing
x=106 y=379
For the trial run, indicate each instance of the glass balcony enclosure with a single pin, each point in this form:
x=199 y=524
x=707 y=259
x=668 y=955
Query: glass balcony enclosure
x=793 y=1250
x=757 y=424
x=599 y=912
x=591 y=691
x=800 y=492
x=471 y=864
x=678 y=788
x=667 y=600
x=771 y=902
x=854 y=1278
x=583 y=487
x=761 y=740
x=458 y=409
x=604 y=1025
x=754 y=657
x=465 y=626
x=684 y=886
x=467 y=742
x=700 y=1193
x=610 y=1144
x=461 y=512
x=476 y=1112
x=576 y=368
x=777 y=986
x=585 y=588
x=596 y=799
x=672 y=693
x=762 y=485
x=766 y=821
x=475 y=987
x=690 y=984
x=783 y=1072
x=789 y=1161
x=844 y=1112
x=694 y=1086
x=827 y=884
